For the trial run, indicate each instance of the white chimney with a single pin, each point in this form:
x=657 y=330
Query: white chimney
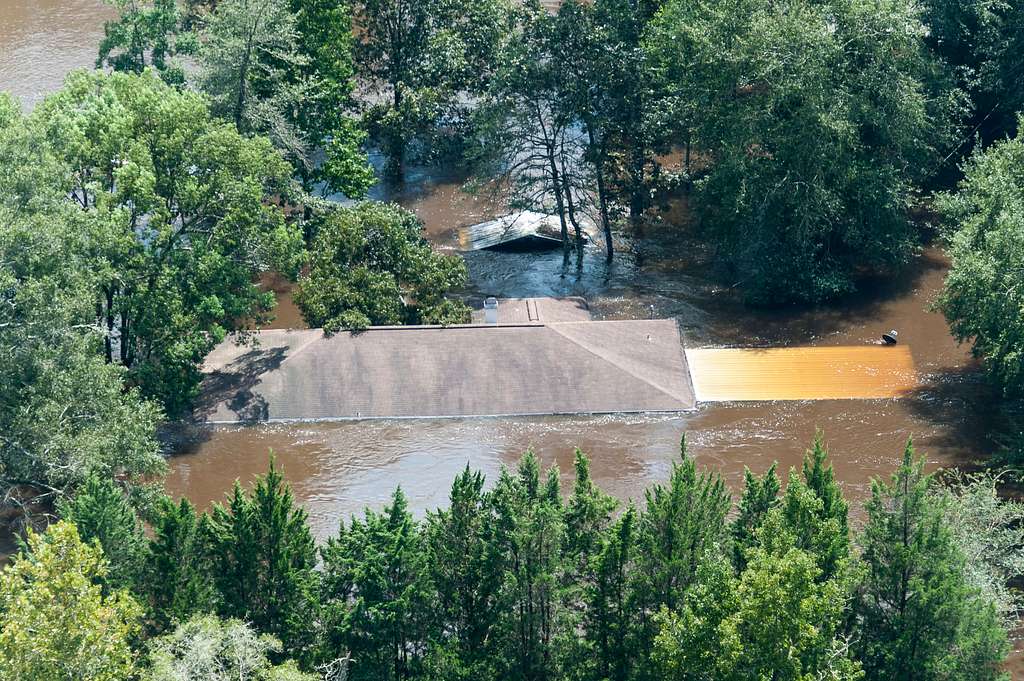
x=491 y=311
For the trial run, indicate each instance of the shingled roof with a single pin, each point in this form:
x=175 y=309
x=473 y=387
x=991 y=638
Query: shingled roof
x=538 y=310
x=473 y=370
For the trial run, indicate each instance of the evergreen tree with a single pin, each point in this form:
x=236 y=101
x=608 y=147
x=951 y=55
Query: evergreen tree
x=917 y=618
x=375 y=578
x=465 y=576
x=682 y=525
x=102 y=514
x=588 y=517
x=777 y=620
x=262 y=558
x=179 y=579
x=821 y=480
x=610 y=620
x=816 y=512
x=529 y=532
x=760 y=495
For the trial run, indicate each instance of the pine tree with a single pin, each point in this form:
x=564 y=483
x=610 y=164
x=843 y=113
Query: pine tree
x=588 y=516
x=102 y=514
x=916 y=616
x=262 y=556
x=682 y=525
x=529 y=533
x=179 y=579
x=610 y=620
x=776 y=620
x=821 y=479
x=465 y=574
x=377 y=579
x=760 y=495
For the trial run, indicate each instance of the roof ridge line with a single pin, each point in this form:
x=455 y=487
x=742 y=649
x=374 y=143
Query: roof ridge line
x=314 y=337
x=554 y=327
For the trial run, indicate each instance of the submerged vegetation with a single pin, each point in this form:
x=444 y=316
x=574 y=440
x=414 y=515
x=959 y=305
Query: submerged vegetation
x=140 y=204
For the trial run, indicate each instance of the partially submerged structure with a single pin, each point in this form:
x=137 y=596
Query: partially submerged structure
x=524 y=365
x=523 y=231
x=524 y=356
x=802 y=373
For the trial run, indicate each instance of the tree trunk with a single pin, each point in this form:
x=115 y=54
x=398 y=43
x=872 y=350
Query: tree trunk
x=396 y=142
x=556 y=183
x=578 y=233
x=107 y=341
x=602 y=199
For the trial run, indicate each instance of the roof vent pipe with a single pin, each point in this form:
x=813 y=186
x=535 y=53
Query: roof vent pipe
x=491 y=311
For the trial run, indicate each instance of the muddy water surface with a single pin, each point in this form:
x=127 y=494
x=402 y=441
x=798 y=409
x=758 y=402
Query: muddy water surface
x=42 y=40
x=339 y=468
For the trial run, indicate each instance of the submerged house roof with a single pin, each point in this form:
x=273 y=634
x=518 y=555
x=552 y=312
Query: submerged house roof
x=474 y=370
x=526 y=229
x=538 y=310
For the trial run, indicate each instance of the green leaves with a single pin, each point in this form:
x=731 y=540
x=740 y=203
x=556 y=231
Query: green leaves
x=370 y=265
x=56 y=622
x=917 y=617
x=147 y=33
x=262 y=558
x=983 y=299
x=816 y=119
x=177 y=221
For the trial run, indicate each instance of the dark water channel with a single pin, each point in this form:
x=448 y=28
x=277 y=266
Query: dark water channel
x=337 y=469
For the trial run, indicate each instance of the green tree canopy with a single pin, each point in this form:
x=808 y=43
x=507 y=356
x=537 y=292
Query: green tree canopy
x=102 y=513
x=917 y=616
x=984 y=292
x=376 y=576
x=420 y=57
x=177 y=578
x=777 y=620
x=146 y=33
x=325 y=40
x=370 y=265
x=64 y=412
x=262 y=556
x=177 y=216
x=55 y=622
x=816 y=120
x=250 y=58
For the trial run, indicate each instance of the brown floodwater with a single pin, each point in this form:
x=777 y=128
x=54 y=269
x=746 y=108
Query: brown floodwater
x=42 y=40
x=337 y=469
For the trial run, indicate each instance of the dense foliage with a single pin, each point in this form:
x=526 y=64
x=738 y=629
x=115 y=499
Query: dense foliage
x=513 y=580
x=370 y=266
x=807 y=130
x=65 y=413
x=139 y=207
x=56 y=622
x=984 y=294
x=818 y=120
